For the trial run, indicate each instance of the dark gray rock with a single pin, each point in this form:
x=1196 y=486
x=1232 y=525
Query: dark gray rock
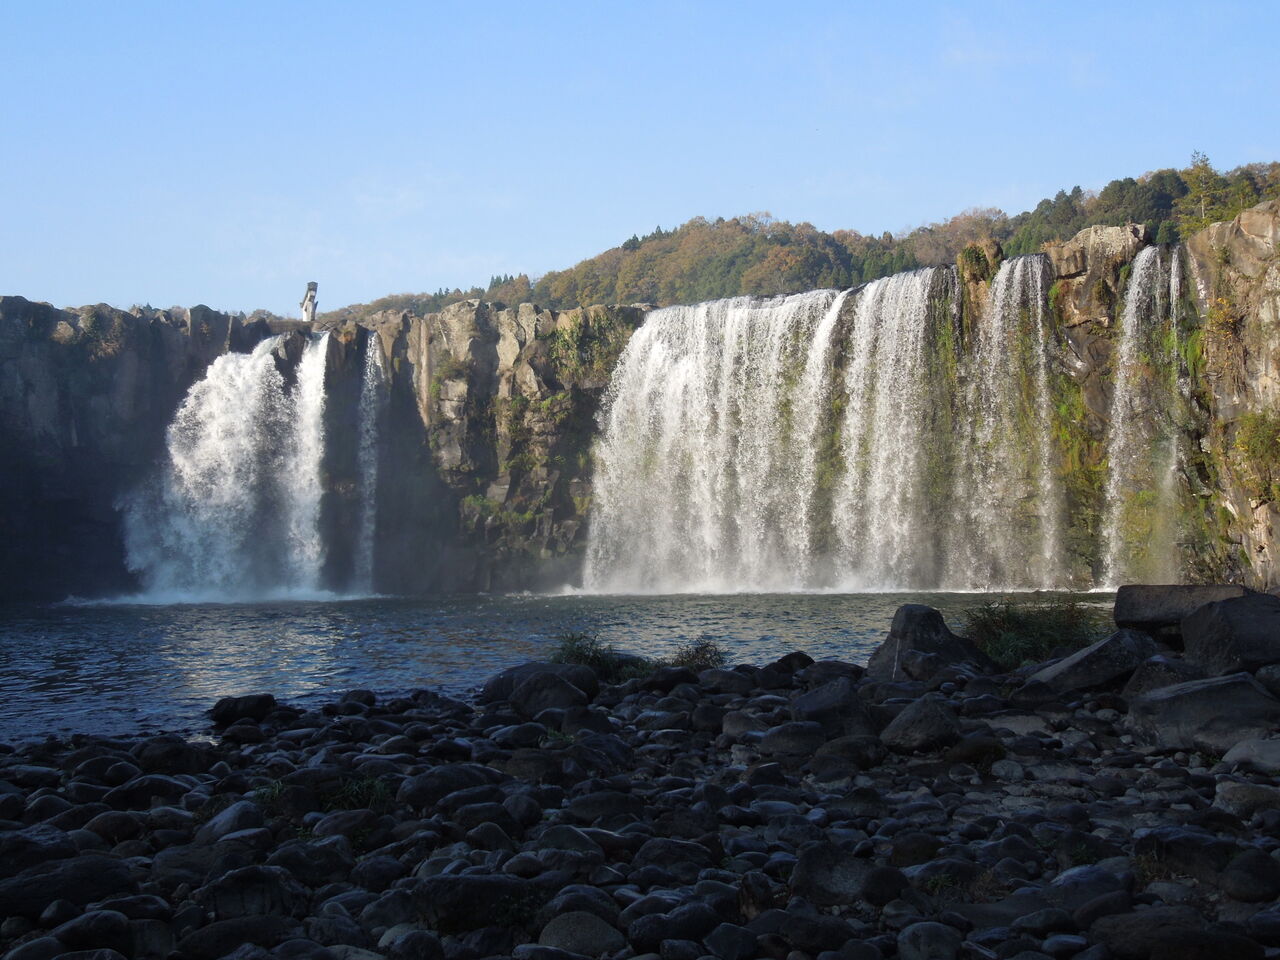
x=1252 y=877
x=828 y=876
x=458 y=904
x=925 y=724
x=545 y=691
x=253 y=706
x=251 y=891
x=423 y=791
x=220 y=938
x=795 y=739
x=582 y=932
x=241 y=815
x=1132 y=936
x=1211 y=715
x=917 y=627
x=1098 y=664
x=81 y=880
x=32 y=846
x=1160 y=671
x=1156 y=608
x=836 y=706
x=96 y=928
x=731 y=942
x=1242 y=633
x=929 y=941
x=504 y=684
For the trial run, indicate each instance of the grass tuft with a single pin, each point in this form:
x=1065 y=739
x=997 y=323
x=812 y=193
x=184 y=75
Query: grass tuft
x=1015 y=632
x=613 y=666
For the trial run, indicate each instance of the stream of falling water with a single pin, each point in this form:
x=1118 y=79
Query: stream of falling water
x=235 y=511
x=1139 y=528
x=833 y=441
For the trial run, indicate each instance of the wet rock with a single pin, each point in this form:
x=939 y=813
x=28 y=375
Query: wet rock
x=253 y=706
x=731 y=942
x=925 y=724
x=1212 y=715
x=1098 y=664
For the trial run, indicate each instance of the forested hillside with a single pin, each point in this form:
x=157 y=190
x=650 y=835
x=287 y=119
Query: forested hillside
x=756 y=254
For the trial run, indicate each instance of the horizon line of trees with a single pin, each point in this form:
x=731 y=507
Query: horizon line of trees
x=758 y=255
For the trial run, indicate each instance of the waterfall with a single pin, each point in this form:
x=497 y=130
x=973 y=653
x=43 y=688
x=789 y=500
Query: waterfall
x=833 y=440
x=306 y=550
x=1139 y=530
x=880 y=509
x=372 y=400
x=700 y=453
x=1009 y=509
x=234 y=513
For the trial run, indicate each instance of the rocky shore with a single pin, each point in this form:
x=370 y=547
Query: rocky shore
x=1121 y=802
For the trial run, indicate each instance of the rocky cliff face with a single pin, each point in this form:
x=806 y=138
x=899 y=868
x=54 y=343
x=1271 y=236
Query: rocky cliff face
x=85 y=397
x=485 y=451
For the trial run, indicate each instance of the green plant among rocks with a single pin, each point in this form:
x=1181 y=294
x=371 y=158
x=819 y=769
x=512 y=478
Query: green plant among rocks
x=1013 y=632
x=613 y=666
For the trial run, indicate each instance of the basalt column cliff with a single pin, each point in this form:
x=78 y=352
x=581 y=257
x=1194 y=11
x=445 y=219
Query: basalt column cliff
x=1100 y=412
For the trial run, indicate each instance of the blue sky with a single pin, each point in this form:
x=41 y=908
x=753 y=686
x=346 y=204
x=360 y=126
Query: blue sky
x=226 y=153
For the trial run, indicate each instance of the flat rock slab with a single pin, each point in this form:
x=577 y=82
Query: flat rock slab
x=1211 y=715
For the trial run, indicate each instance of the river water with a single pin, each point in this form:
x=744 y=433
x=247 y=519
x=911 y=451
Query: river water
x=120 y=667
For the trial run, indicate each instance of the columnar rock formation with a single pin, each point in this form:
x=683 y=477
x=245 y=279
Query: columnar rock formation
x=468 y=464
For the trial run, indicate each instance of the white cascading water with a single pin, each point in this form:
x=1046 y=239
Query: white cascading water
x=234 y=515
x=372 y=400
x=714 y=470
x=1139 y=530
x=699 y=448
x=306 y=546
x=879 y=512
x=1009 y=496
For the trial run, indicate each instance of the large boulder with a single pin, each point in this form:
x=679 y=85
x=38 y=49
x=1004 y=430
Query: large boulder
x=917 y=627
x=545 y=691
x=1157 y=609
x=1160 y=671
x=1098 y=664
x=1211 y=715
x=925 y=724
x=836 y=706
x=504 y=684
x=81 y=880
x=1242 y=633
